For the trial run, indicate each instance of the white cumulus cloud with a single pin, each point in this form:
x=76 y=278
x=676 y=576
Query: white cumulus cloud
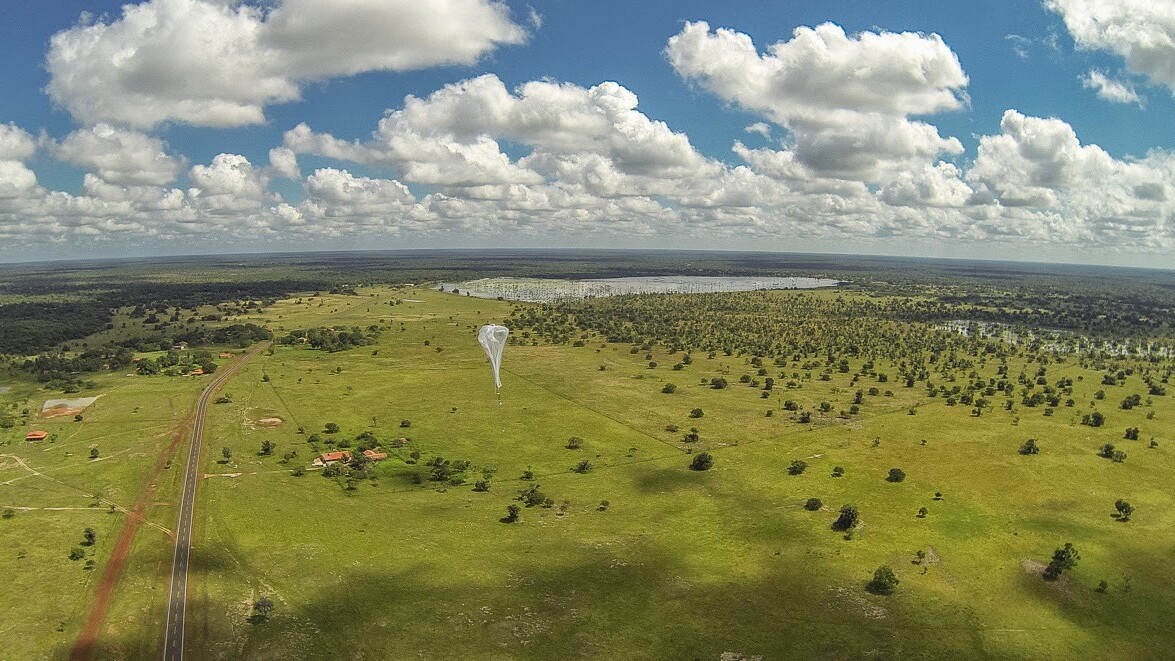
x=217 y=63
x=846 y=100
x=1142 y=32
x=120 y=156
x=1108 y=89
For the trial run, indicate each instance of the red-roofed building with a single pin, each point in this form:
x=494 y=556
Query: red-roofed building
x=36 y=435
x=331 y=457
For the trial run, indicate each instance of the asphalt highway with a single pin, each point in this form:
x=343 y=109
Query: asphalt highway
x=177 y=600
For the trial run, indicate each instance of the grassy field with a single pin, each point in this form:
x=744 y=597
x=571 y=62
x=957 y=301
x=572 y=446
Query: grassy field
x=679 y=564
x=53 y=490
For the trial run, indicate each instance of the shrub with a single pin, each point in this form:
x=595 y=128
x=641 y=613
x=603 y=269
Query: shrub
x=896 y=475
x=696 y=413
x=583 y=466
x=669 y=389
x=702 y=461
x=847 y=519
x=797 y=467
x=574 y=443
x=813 y=504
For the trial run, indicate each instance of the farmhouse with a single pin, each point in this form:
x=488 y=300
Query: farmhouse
x=36 y=435
x=199 y=371
x=375 y=455
x=225 y=354
x=331 y=457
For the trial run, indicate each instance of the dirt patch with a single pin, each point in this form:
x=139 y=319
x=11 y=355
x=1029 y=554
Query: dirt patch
x=1032 y=566
x=55 y=408
x=932 y=556
x=269 y=422
x=87 y=639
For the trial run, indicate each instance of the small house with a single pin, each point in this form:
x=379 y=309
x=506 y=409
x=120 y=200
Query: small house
x=225 y=354
x=199 y=371
x=36 y=435
x=331 y=457
x=375 y=455
x=179 y=346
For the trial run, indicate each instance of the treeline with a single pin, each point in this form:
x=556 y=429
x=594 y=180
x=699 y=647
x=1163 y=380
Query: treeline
x=332 y=339
x=62 y=371
x=31 y=327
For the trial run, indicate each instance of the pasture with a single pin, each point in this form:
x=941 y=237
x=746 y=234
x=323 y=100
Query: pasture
x=638 y=556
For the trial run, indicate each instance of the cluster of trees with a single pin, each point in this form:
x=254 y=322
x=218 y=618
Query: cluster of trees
x=332 y=339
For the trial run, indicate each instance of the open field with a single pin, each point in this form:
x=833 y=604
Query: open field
x=679 y=564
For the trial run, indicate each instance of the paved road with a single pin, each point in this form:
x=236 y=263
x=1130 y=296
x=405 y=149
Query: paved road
x=177 y=598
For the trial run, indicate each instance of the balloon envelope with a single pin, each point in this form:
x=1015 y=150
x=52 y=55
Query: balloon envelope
x=492 y=338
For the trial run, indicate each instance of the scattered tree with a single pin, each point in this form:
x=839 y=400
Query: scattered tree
x=848 y=518
x=696 y=413
x=584 y=466
x=838 y=471
x=262 y=608
x=1125 y=509
x=1029 y=447
x=797 y=467
x=922 y=512
x=574 y=443
x=669 y=389
x=813 y=504
x=331 y=428
x=227 y=453
x=93 y=453
x=512 y=511
x=267 y=447
x=1063 y=559
x=89 y=537
x=701 y=461
x=884 y=581
x=896 y=475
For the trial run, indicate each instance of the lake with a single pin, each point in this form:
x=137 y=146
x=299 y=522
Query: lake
x=543 y=290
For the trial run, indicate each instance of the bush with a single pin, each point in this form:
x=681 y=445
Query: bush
x=574 y=443
x=512 y=511
x=896 y=475
x=404 y=424
x=838 y=471
x=813 y=504
x=797 y=467
x=584 y=466
x=1029 y=447
x=847 y=519
x=696 y=413
x=669 y=389
x=702 y=462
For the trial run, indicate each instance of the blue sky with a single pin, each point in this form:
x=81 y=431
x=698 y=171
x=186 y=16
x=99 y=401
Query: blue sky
x=1019 y=130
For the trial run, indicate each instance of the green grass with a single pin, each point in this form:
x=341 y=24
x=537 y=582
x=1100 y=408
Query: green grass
x=681 y=564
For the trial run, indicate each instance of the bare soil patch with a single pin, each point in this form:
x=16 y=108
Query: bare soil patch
x=55 y=408
x=269 y=422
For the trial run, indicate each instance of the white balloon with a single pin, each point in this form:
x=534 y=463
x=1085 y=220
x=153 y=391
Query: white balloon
x=492 y=338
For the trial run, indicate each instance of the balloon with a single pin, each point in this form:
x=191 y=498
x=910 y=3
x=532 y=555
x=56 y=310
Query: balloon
x=492 y=338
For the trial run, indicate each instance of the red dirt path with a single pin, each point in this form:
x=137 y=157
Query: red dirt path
x=87 y=640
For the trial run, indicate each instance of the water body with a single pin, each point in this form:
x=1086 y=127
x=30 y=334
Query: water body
x=544 y=290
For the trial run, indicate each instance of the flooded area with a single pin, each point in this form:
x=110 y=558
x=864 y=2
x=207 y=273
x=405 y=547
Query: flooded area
x=543 y=290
